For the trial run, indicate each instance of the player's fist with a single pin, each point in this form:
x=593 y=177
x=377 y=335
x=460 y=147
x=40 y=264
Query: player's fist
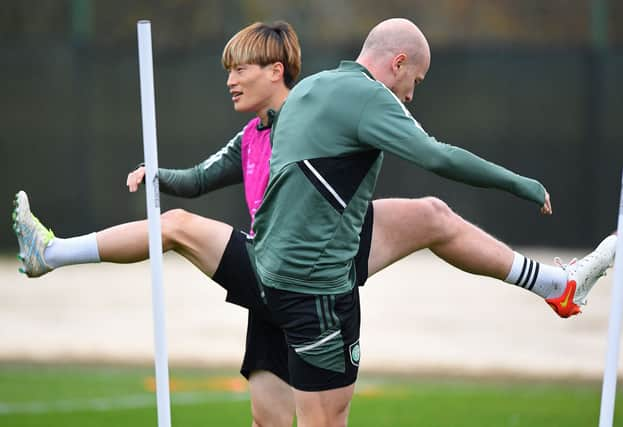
x=135 y=178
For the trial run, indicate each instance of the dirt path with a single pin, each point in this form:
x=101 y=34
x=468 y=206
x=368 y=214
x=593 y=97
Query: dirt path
x=420 y=315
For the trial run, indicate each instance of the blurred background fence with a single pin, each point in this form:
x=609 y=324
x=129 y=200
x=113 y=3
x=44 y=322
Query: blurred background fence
x=533 y=85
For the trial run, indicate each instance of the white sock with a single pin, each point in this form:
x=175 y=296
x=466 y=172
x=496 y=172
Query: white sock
x=544 y=280
x=76 y=250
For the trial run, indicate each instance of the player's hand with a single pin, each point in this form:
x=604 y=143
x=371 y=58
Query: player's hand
x=546 y=209
x=135 y=178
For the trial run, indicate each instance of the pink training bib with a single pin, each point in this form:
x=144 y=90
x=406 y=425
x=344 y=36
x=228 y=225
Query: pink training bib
x=255 y=152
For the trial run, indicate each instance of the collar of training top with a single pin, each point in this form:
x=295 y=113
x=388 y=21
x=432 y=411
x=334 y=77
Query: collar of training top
x=270 y=114
x=354 y=66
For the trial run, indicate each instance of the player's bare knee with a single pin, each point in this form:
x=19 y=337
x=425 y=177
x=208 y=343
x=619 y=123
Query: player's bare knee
x=172 y=224
x=440 y=219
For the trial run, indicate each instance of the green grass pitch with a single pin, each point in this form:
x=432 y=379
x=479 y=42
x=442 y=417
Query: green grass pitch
x=50 y=395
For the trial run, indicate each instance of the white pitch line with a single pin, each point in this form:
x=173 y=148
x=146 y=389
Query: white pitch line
x=104 y=404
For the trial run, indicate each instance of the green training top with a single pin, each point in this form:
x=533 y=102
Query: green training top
x=327 y=152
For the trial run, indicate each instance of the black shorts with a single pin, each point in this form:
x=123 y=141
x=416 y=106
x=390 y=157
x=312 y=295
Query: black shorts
x=266 y=345
x=321 y=333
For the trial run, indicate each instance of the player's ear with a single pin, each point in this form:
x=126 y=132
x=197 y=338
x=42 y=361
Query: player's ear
x=277 y=70
x=398 y=62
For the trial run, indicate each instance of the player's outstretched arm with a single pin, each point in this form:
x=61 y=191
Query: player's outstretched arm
x=386 y=124
x=176 y=182
x=221 y=169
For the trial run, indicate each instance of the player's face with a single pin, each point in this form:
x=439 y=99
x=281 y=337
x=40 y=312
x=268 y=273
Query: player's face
x=250 y=87
x=407 y=78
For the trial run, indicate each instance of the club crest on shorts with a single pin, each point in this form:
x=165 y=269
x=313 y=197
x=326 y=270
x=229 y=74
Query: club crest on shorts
x=355 y=353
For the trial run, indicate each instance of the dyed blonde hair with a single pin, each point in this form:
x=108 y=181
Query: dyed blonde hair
x=263 y=44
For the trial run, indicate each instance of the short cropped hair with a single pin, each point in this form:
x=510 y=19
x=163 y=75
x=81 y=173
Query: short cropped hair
x=265 y=44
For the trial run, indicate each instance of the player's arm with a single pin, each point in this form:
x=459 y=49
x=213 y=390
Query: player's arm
x=222 y=169
x=387 y=125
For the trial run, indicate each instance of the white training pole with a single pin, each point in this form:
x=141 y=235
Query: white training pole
x=608 y=392
x=150 y=147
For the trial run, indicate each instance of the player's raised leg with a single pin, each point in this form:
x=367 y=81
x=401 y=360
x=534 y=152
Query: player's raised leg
x=403 y=226
x=201 y=240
